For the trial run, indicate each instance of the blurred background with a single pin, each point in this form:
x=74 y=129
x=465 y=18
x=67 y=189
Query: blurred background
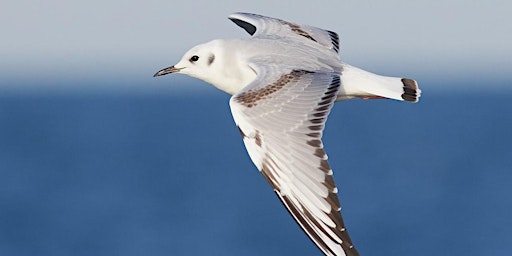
x=97 y=157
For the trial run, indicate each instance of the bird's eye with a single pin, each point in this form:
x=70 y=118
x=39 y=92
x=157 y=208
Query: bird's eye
x=194 y=58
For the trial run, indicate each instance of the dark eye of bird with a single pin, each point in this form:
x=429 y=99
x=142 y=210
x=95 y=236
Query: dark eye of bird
x=194 y=58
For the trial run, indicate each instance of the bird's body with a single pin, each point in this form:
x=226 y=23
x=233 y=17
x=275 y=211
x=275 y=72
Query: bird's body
x=284 y=81
x=233 y=58
x=232 y=71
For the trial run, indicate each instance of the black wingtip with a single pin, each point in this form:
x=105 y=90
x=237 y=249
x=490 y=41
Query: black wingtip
x=251 y=29
x=335 y=40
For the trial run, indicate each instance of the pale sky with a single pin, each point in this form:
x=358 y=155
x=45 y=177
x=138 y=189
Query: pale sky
x=121 y=42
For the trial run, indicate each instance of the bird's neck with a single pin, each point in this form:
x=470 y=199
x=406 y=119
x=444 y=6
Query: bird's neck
x=233 y=71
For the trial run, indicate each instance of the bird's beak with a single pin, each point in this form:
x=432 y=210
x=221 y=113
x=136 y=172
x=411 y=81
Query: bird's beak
x=166 y=71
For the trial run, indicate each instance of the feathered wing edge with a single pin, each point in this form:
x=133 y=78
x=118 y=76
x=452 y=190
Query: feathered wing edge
x=258 y=25
x=327 y=232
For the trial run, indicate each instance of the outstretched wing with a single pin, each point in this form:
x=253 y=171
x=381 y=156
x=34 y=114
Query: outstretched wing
x=281 y=117
x=260 y=26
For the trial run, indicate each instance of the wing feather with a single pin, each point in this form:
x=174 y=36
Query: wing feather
x=281 y=117
x=258 y=25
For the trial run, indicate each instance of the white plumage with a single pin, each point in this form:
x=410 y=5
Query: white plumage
x=284 y=81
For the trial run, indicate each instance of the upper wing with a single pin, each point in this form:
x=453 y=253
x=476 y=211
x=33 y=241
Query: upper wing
x=281 y=117
x=258 y=25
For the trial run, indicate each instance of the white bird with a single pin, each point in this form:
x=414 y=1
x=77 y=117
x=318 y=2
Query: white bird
x=284 y=81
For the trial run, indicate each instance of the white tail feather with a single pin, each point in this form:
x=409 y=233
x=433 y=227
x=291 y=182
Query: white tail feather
x=363 y=84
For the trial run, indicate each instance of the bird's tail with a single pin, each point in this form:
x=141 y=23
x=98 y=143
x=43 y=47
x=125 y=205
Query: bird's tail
x=363 y=84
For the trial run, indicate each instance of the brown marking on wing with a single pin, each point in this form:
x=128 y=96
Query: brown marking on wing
x=297 y=30
x=300 y=213
x=241 y=132
x=251 y=97
x=257 y=139
x=333 y=200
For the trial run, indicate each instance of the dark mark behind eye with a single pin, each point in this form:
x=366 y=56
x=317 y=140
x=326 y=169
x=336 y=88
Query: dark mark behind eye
x=211 y=59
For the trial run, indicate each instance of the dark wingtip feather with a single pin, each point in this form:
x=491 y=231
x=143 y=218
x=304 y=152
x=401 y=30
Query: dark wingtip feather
x=250 y=28
x=335 y=40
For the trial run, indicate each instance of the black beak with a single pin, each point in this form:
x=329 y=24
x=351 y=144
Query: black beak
x=166 y=71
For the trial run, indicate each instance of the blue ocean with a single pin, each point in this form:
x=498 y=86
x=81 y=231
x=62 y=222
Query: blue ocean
x=94 y=173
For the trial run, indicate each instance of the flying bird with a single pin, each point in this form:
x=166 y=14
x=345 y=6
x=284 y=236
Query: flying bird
x=284 y=80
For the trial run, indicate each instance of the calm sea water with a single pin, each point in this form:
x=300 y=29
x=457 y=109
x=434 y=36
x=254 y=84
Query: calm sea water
x=92 y=174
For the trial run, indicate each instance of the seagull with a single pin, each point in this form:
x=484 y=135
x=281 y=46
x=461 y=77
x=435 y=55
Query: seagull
x=284 y=80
